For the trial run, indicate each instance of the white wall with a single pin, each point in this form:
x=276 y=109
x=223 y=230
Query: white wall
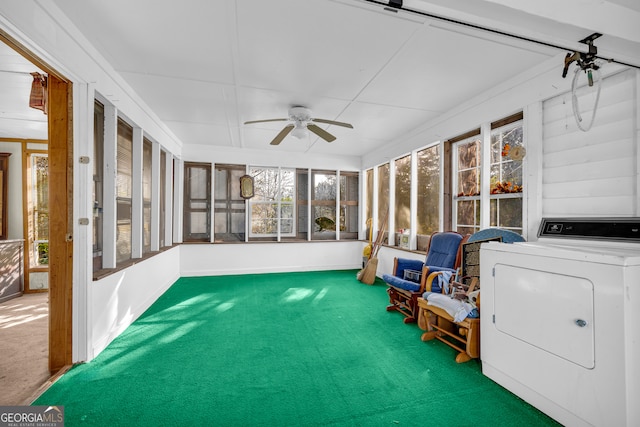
x=202 y=153
x=119 y=299
x=253 y=258
x=592 y=173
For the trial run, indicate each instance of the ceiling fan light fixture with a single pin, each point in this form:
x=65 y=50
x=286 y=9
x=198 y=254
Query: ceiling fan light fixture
x=301 y=123
x=300 y=131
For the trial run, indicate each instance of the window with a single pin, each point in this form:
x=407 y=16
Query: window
x=402 y=216
x=271 y=210
x=302 y=200
x=197 y=202
x=146 y=195
x=428 y=210
x=383 y=195
x=323 y=204
x=506 y=177
x=98 y=150
x=124 y=188
x=349 y=191
x=369 y=194
x=38 y=205
x=125 y=165
x=229 y=206
x=428 y=206
x=467 y=201
x=163 y=199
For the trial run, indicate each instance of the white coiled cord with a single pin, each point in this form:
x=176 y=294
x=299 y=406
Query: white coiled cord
x=574 y=99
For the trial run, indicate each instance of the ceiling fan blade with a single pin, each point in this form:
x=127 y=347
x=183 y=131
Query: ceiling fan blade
x=321 y=132
x=331 y=122
x=264 y=121
x=283 y=133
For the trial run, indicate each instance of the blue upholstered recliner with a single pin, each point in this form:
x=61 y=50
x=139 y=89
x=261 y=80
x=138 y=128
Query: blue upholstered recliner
x=411 y=278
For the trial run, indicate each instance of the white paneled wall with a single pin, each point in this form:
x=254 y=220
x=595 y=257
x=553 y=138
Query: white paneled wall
x=591 y=173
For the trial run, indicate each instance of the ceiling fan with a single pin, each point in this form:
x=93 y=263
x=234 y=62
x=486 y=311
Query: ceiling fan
x=303 y=122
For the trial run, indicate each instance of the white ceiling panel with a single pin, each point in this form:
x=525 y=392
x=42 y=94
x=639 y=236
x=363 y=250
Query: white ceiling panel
x=380 y=122
x=199 y=101
x=202 y=133
x=323 y=48
x=187 y=38
x=441 y=67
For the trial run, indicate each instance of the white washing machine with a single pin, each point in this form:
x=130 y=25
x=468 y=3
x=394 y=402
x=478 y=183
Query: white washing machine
x=560 y=319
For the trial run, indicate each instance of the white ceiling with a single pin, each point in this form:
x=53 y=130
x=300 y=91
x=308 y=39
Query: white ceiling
x=207 y=66
x=17 y=120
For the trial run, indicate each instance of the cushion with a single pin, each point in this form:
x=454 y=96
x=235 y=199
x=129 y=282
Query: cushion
x=398 y=282
x=403 y=264
x=443 y=249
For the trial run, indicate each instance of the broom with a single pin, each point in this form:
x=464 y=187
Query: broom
x=368 y=274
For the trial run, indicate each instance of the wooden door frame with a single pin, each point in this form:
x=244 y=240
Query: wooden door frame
x=60 y=135
x=60 y=223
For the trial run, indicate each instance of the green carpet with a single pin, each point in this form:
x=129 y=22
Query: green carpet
x=280 y=350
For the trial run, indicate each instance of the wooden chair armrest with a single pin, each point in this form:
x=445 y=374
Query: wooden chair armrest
x=428 y=282
x=424 y=280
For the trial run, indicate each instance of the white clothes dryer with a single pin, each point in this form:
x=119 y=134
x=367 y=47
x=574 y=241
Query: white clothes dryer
x=560 y=319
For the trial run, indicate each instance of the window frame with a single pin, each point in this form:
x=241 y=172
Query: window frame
x=502 y=127
x=147 y=194
x=424 y=203
x=403 y=165
x=98 y=184
x=348 y=204
x=473 y=196
x=192 y=236
x=228 y=206
x=329 y=204
x=276 y=203
x=383 y=201
x=124 y=201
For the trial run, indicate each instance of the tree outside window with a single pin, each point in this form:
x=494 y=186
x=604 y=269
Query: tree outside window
x=383 y=195
x=369 y=200
x=40 y=207
x=428 y=210
x=323 y=204
x=349 y=190
x=273 y=204
x=402 y=218
x=506 y=177
x=402 y=211
x=468 y=160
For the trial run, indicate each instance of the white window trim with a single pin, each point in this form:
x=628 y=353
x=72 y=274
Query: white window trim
x=252 y=202
x=454 y=170
x=510 y=126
